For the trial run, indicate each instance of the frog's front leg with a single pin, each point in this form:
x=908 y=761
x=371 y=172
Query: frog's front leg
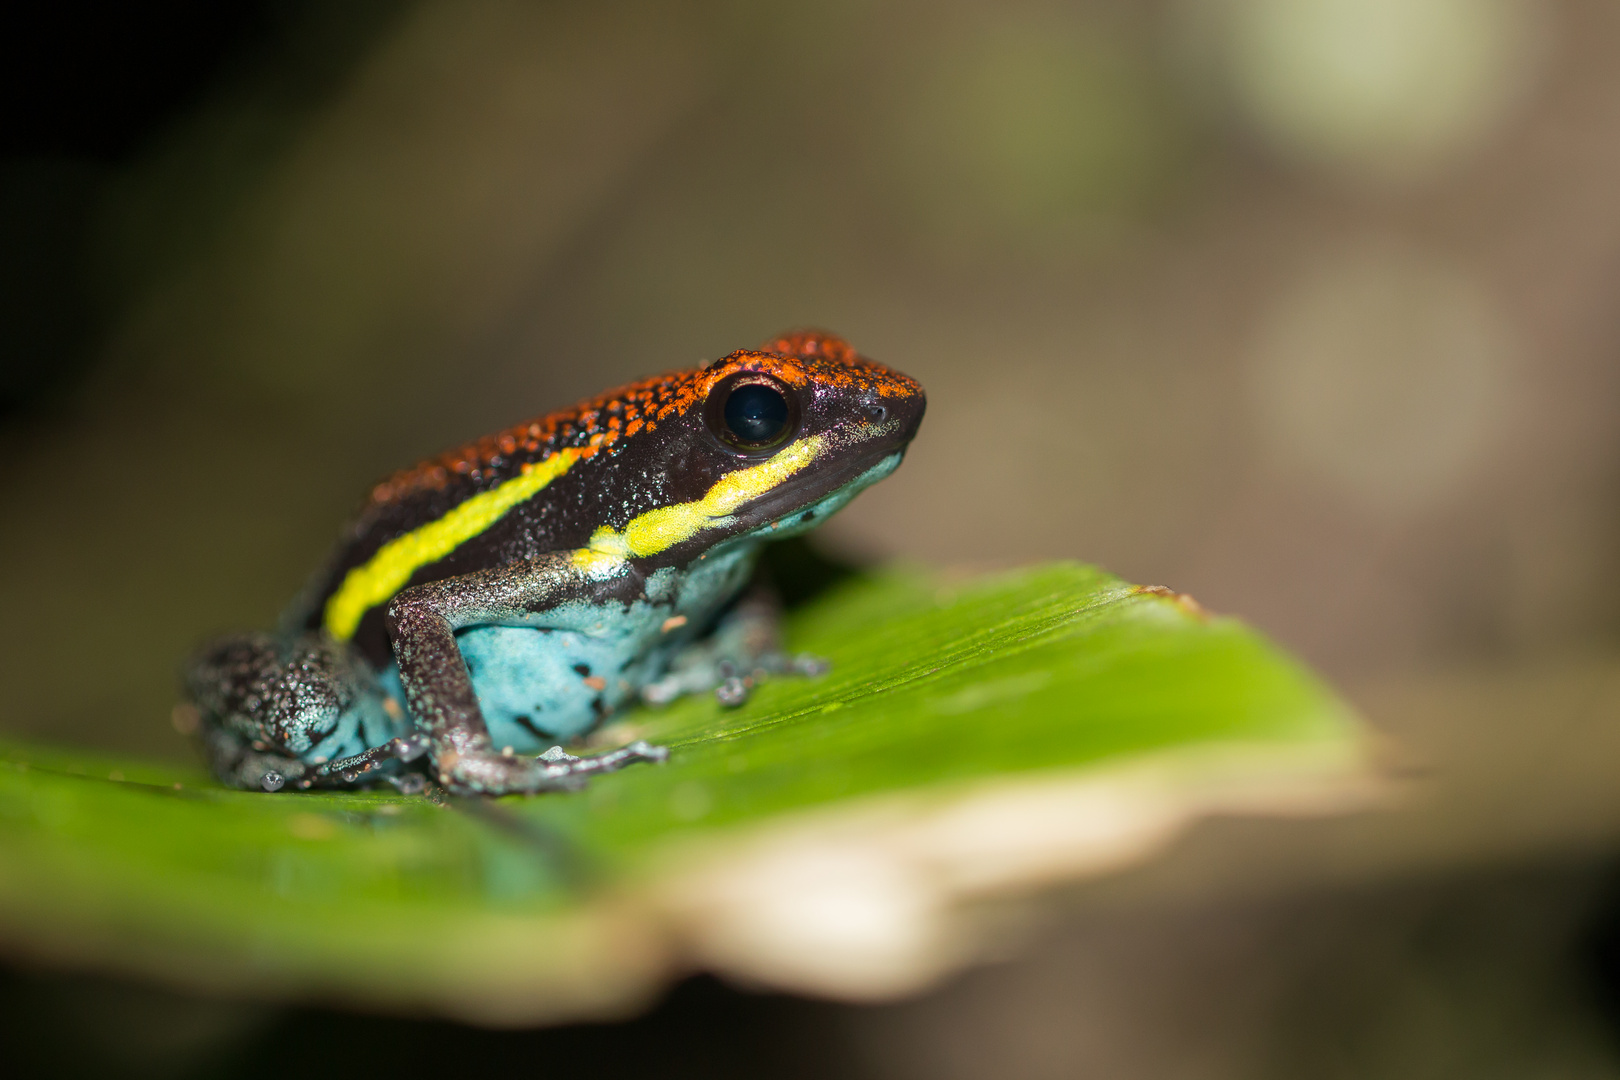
x=562 y=591
x=744 y=647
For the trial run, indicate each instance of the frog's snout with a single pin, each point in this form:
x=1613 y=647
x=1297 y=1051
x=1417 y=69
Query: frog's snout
x=905 y=413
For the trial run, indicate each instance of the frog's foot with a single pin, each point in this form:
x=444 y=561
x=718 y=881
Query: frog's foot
x=734 y=687
x=238 y=764
x=743 y=651
x=731 y=681
x=482 y=772
x=379 y=763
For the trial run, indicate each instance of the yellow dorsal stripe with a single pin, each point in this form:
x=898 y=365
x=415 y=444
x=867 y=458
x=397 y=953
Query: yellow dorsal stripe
x=385 y=573
x=657 y=530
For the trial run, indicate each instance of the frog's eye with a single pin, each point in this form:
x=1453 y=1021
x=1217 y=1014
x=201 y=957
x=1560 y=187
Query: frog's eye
x=751 y=412
x=756 y=414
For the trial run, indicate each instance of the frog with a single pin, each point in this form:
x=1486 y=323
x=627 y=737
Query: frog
x=496 y=603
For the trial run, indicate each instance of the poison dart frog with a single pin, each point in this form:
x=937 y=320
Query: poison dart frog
x=507 y=596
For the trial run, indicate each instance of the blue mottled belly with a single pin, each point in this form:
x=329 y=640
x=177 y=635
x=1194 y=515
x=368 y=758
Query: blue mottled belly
x=541 y=687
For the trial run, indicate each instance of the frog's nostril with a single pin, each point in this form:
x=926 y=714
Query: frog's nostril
x=875 y=413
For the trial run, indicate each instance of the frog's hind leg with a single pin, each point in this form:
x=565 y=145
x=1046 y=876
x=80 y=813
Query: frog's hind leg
x=298 y=712
x=744 y=648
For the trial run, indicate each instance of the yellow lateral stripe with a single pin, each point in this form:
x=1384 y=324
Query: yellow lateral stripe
x=657 y=530
x=385 y=573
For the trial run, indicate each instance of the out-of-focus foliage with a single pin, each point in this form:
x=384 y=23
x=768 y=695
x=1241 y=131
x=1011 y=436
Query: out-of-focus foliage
x=1303 y=306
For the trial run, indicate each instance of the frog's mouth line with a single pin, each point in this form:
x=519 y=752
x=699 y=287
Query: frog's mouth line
x=862 y=447
x=773 y=491
x=808 y=489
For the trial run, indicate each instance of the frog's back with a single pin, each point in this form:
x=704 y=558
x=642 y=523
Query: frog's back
x=543 y=485
x=554 y=483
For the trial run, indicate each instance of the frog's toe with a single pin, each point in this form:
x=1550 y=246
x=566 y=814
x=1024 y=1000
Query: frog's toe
x=484 y=773
x=694 y=675
x=733 y=691
x=811 y=667
x=646 y=751
x=408 y=783
x=410 y=747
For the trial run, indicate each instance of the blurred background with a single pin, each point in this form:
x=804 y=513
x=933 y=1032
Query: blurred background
x=1305 y=307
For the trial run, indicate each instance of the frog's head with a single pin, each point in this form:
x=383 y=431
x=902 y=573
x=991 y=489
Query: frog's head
x=805 y=424
x=770 y=442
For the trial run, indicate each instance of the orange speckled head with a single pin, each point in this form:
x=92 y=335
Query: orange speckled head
x=820 y=366
x=784 y=429
x=810 y=359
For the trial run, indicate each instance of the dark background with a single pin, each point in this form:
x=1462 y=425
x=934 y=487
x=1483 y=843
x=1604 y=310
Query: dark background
x=1306 y=307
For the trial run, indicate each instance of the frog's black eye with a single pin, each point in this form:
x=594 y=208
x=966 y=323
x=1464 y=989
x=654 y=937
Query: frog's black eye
x=756 y=414
x=751 y=412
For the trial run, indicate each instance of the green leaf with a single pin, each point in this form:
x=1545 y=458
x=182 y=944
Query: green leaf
x=975 y=739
